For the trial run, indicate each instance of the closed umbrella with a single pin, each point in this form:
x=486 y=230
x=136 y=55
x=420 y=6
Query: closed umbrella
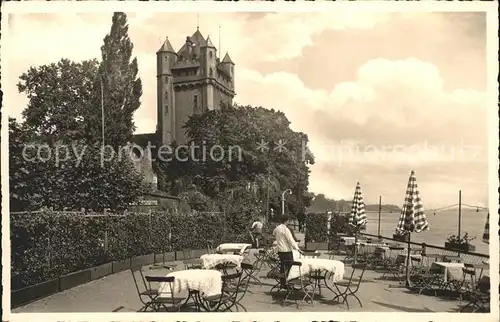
x=486 y=233
x=357 y=217
x=412 y=217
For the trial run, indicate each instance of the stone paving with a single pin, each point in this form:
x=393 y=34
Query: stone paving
x=117 y=293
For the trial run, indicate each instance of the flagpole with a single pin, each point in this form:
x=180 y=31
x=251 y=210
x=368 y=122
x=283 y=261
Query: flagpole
x=379 y=211
x=459 y=216
x=102 y=112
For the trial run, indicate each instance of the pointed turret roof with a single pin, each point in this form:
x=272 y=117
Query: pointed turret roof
x=166 y=47
x=227 y=59
x=208 y=43
x=198 y=38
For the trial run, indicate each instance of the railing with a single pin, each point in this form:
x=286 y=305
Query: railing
x=467 y=257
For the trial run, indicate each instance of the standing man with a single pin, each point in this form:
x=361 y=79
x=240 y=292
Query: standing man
x=285 y=244
x=301 y=217
x=257 y=231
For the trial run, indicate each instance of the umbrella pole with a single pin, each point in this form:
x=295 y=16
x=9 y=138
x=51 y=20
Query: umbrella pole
x=355 y=247
x=407 y=273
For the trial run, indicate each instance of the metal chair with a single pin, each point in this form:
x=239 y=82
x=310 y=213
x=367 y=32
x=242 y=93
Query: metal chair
x=166 y=302
x=351 y=286
x=190 y=262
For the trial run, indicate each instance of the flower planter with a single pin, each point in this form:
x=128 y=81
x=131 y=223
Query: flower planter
x=460 y=247
x=403 y=238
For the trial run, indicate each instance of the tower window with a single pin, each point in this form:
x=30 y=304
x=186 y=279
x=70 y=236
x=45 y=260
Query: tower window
x=166 y=109
x=166 y=95
x=195 y=103
x=210 y=54
x=211 y=73
x=166 y=80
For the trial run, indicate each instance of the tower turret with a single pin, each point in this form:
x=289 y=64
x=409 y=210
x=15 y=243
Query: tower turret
x=208 y=54
x=166 y=57
x=228 y=64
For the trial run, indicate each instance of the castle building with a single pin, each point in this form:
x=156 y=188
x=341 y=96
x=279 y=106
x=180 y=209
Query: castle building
x=190 y=81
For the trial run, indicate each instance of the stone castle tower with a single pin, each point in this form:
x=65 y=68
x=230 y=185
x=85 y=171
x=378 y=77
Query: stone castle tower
x=190 y=81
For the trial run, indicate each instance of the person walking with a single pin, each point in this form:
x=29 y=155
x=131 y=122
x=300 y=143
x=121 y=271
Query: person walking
x=257 y=231
x=285 y=245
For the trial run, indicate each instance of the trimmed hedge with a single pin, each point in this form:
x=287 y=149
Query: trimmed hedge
x=46 y=245
x=316 y=228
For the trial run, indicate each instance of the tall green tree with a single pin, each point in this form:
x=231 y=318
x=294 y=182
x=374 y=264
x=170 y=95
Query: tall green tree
x=60 y=98
x=122 y=88
x=66 y=176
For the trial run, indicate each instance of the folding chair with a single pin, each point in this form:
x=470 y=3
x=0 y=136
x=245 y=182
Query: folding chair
x=189 y=262
x=479 y=297
x=467 y=285
x=146 y=295
x=228 y=297
x=249 y=272
x=396 y=268
x=430 y=279
x=295 y=285
x=158 y=301
x=351 y=286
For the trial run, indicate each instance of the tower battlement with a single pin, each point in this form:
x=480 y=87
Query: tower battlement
x=190 y=81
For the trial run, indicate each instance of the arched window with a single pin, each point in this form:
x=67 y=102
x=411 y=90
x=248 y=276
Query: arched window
x=211 y=73
x=210 y=54
x=166 y=95
x=166 y=80
x=166 y=109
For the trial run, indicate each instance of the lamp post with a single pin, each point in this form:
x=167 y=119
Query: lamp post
x=283 y=200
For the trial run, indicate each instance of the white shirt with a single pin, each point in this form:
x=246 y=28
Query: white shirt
x=284 y=239
x=257 y=225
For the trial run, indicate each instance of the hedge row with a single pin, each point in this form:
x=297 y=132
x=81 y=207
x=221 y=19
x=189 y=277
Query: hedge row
x=47 y=245
x=317 y=227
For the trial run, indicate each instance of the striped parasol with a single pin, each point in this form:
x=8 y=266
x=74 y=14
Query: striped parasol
x=486 y=234
x=412 y=217
x=357 y=216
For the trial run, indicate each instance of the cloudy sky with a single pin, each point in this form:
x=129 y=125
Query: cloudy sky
x=378 y=94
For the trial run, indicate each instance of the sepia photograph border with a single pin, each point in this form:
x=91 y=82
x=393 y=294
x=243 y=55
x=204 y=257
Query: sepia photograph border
x=491 y=8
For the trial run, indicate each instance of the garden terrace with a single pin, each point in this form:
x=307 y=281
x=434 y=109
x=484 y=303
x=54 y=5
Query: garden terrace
x=117 y=293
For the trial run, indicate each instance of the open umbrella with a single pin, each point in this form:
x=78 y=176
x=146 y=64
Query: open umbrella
x=357 y=217
x=486 y=233
x=412 y=217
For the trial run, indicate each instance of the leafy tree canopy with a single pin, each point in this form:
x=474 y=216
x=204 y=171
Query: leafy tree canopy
x=228 y=156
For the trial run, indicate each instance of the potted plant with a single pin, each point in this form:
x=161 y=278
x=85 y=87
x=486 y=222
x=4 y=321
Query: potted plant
x=401 y=237
x=458 y=243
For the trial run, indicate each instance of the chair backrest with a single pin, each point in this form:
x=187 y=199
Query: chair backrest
x=289 y=264
x=169 y=280
x=186 y=253
x=210 y=246
x=356 y=281
x=400 y=260
x=469 y=270
x=231 y=280
x=139 y=280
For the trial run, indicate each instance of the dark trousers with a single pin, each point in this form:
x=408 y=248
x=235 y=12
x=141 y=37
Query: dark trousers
x=284 y=256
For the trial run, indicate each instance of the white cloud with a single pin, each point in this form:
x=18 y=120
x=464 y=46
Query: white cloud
x=386 y=103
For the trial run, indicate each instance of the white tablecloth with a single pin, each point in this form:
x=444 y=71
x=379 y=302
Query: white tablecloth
x=230 y=246
x=311 y=264
x=212 y=260
x=452 y=270
x=207 y=281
